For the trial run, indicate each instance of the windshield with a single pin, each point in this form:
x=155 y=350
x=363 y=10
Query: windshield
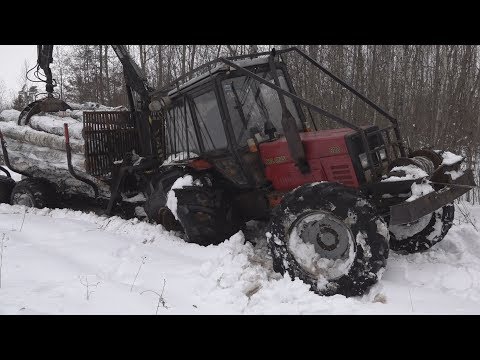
x=251 y=103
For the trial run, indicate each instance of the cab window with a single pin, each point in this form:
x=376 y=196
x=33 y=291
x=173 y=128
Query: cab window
x=180 y=131
x=209 y=120
x=251 y=103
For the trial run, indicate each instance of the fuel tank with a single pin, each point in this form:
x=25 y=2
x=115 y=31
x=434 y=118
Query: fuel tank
x=326 y=152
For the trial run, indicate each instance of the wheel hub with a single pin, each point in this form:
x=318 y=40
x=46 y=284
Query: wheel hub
x=322 y=244
x=328 y=239
x=329 y=235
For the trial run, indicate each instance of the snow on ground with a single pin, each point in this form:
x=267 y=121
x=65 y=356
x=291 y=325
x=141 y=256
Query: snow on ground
x=48 y=255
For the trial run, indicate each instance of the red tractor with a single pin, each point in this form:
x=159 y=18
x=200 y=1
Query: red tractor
x=236 y=143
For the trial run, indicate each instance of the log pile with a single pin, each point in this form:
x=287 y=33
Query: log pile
x=39 y=149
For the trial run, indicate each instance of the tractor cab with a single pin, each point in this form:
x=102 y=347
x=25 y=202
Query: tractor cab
x=237 y=123
x=225 y=116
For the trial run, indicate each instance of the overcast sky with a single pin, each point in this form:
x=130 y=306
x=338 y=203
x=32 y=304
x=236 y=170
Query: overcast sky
x=12 y=58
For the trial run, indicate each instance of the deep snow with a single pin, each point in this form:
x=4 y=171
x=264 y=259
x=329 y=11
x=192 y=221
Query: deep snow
x=46 y=259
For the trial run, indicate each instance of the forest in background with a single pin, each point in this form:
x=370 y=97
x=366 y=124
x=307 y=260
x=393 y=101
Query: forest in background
x=433 y=90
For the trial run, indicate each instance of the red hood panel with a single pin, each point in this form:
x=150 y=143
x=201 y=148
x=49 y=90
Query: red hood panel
x=317 y=144
x=326 y=152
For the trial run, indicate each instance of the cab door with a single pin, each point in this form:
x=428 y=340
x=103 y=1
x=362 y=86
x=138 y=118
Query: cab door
x=213 y=134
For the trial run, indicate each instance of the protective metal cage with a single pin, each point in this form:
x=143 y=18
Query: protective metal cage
x=108 y=135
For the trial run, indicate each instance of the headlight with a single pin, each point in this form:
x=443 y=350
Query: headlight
x=383 y=154
x=363 y=160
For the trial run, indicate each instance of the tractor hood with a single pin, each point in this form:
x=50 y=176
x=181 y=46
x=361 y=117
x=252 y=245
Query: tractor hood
x=325 y=151
x=317 y=144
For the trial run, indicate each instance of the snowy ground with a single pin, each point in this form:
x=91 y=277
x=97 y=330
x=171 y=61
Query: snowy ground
x=48 y=254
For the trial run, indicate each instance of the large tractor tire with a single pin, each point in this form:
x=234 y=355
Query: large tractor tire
x=6 y=186
x=422 y=234
x=330 y=237
x=156 y=205
x=204 y=212
x=34 y=192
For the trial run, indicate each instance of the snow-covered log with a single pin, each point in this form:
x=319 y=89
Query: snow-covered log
x=54 y=125
x=27 y=135
x=52 y=164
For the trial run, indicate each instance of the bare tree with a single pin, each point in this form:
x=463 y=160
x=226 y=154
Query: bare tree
x=4 y=102
x=434 y=90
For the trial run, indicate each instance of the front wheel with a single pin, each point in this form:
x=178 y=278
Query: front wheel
x=330 y=237
x=422 y=234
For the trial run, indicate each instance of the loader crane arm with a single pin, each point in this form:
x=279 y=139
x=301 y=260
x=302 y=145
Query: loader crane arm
x=139 y=93
x=50 y=103
x=44 y=59
x=150 y=138
x=135 y=79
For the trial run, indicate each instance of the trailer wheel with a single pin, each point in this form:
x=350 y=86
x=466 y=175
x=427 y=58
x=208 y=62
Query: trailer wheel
x=34 y=192
x=422 y=234
x=6 y=186
x=330 y=237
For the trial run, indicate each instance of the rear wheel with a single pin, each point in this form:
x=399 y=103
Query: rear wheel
x=422 y=234
x=34 y=192
x=204 y=212
x=330 y=237
x=6 y=186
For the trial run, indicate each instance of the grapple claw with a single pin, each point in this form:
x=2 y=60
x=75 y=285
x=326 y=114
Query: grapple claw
x=48 y=104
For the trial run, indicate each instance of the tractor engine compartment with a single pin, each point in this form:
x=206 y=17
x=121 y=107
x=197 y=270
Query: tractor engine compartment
x=333 y=155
